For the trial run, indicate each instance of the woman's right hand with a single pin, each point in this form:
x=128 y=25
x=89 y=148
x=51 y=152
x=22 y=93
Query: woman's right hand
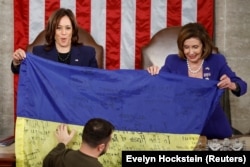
x=153 y=70
x=18 y=56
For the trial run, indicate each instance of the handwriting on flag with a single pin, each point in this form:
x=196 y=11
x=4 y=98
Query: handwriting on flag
x=149 y=112
x=38 y=138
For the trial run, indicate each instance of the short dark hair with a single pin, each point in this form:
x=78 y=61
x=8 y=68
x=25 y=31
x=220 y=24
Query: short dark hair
x=97 y=131
x=195 y=30
x=53 y=22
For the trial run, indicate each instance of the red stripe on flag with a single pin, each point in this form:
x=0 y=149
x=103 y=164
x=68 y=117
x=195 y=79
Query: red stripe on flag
x=21 y=29
x=206 y=14
x=143 y=13
x=113 y=34
x=83 y=14
x=174 y=9
x=50 y=7
x=21 y=24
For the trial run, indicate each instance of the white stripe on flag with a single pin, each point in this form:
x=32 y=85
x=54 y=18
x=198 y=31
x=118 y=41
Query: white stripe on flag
x=98 y=23
x=127 y=49
x=70 y=4
x=36 y=18
x=158 y=16
x=128 y=23
x=189 y=11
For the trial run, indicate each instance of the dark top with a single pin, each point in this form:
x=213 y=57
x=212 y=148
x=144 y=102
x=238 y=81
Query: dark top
x=79 y=56
x=214 y=66
x=62 y=157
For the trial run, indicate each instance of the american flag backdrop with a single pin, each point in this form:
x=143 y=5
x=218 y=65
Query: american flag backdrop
x=122 y=27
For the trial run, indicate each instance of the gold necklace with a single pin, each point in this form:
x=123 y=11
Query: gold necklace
x=61 y=58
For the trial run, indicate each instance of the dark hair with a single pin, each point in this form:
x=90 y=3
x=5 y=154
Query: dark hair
x=97 y=131
x=195 y=30
x=53 y=22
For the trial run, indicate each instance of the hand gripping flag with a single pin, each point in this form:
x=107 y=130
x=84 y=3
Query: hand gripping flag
x=162 y=112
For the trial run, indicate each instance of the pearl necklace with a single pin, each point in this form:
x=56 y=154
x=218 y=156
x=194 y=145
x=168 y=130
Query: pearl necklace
x=194 y=71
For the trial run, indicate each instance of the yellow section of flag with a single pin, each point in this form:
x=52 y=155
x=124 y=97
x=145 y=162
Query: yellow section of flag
x=35 y=138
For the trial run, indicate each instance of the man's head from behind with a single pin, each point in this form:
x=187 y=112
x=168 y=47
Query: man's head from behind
x=97 y=134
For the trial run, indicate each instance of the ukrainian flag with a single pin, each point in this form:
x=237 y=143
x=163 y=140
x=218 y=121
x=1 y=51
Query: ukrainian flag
x=162 y=112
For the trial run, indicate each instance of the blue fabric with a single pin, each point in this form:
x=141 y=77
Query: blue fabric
x=214 y=67
x=132 y=100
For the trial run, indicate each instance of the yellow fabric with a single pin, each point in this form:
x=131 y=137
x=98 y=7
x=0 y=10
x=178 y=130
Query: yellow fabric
x=35 y=138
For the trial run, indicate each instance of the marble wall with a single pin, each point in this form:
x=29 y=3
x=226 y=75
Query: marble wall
x=232 y=36
x=6 y=76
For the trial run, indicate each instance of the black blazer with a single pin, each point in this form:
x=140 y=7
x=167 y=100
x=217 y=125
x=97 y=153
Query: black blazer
x=80 y=56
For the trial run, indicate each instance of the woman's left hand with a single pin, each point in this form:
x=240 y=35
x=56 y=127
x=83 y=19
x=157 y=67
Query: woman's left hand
x=225 y=82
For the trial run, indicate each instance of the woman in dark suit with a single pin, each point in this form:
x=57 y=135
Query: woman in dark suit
x=195 y=59
x=62 y=45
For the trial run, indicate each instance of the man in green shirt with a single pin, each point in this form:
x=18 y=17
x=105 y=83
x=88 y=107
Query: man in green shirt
x=96 y=137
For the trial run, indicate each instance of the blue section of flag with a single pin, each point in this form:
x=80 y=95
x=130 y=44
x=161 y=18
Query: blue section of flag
x=132 y=100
